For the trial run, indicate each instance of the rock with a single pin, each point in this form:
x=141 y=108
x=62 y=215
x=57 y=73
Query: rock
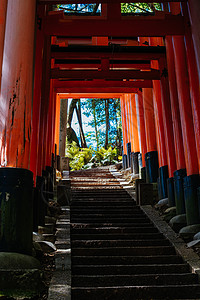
x=193 y=243
x=24 y=283
x=169 y=213
x=37 y=237
x=197 y=236
x=178 y=222
x=163 y=204
x=47 y=246
x=189 y=231
x=38 y=252
x=15 y=261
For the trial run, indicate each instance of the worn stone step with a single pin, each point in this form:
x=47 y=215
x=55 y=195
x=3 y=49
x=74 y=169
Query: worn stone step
x=118 y=243
x=115 y=230
x=113 y=236
x=111 y=220
x=106 y=224
x=129 y=269
x=130 y=251
x=111 y=210
x=103 y=203
x=133 y=280
x=129 y=260
x=120 y=215
x=137 y=292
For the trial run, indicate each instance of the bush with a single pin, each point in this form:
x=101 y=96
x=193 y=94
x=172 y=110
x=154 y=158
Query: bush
x=86 y=158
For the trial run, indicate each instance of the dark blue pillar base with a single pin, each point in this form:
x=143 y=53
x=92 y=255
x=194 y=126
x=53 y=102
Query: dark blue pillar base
x=40 y=182
x=179 y=191
x=151 y=159
x=135 y=163
x=163 y=176
x=128 y=154
x=35 y=209
x=143 y=173
x=170 y=191
x=191 y=184
x=124 y=161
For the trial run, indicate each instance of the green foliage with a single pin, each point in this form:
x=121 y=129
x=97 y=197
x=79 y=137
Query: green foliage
x=86 y=158
x=140 y=7
x=94 y=110
x=78 y=157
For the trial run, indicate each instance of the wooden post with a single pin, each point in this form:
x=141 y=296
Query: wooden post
x=17 y=81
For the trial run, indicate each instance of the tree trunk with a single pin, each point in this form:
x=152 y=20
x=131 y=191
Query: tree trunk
x=107 y=122
x=95 y=122
x=63 y=126
x=78 y=112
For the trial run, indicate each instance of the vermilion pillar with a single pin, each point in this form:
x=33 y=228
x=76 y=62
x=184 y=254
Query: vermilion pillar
x=187 y=94
x=3 y=11
x=134 y=125
x=194 y=8
x=50 y=128
x=17 y=81
x=141 y=126
x=134 y=134
x=194 y=81
x=191 y=182
x=42 y=146
x=37 y=97
x=175 y=185
x=151 y=156
x=160 y=132
x=130 y=134
x=124 y=130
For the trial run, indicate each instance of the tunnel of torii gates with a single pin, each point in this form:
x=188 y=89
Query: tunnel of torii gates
x=152 y=63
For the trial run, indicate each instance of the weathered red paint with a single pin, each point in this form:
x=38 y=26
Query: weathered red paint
x=149 y=120
x=167 y=119
x=194 y=82
x=134 y=126
x=128 y=118
x=124 y=127
x=160 y=135
x=185 y=106
x=141 y=125
x=17 y=82
x=3 y=11
x=37 y=97
x=194 y=9
x=178 y=138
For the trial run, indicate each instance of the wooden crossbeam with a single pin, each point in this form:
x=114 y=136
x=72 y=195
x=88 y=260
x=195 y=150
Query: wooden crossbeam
x=103 y=1
x=124 y=28
x=109 y=75
x=96 y=90
x=112 y=53
x=100 y=84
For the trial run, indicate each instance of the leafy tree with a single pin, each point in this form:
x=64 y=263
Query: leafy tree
x=93 y=9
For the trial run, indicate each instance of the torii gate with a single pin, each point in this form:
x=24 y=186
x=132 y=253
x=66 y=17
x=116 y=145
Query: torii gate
x=158 y=84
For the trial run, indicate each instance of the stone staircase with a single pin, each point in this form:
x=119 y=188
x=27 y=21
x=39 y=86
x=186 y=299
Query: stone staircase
x=117 y=252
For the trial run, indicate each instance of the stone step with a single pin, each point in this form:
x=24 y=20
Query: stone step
x=146 y=261
x=82 y=210
x=106 y=224
x=118 y=243
x=115 y=230
x=114 y=236
x=130 y=251
x=137 y=292
x=120 y=215
x=102 y=203
x=111 y=220
x=133 y=280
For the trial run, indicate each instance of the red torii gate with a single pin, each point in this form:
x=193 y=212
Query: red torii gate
x=168 y=120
